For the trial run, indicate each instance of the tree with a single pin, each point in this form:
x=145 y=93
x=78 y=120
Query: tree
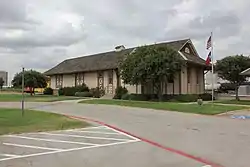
x=1 y=83
x=152 y=64
x=32 y=79
x=229 y=68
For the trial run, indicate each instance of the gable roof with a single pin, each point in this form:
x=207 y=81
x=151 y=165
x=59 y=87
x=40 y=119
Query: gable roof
x=110 y=60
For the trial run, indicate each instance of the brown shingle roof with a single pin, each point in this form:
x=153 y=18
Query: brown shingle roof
x=107 y=60
x=194 y=59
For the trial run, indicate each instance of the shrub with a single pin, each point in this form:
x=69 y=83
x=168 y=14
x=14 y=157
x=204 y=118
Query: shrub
x=71 y=91
x=126 y=97
x=140 y=97
x=82 y=88
x=119 y=91
x=97 y=92
x=48 y=91
x=186 y=98
x=83 y=94
x=60 y=92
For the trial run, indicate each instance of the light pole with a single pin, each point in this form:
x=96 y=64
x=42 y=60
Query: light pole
x=22 y=91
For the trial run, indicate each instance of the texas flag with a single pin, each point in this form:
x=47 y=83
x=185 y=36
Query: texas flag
x=209 y=59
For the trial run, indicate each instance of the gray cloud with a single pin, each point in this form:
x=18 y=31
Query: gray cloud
x=39 y=34
x=14 y=15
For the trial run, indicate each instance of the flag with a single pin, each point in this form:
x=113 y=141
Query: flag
x=209 y=59
x=209 y=42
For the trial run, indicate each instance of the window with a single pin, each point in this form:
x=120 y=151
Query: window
x=79 y=79
x=187 y=50
x=110 y=77
x=188 y=74
x=59 y=81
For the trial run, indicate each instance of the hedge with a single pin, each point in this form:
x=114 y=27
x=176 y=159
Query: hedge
x=167 y=97
x=119 y=92
x=83 y=94
x=48 y=91
x=71 y=91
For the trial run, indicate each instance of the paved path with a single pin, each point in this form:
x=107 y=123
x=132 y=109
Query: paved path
x=221 y=140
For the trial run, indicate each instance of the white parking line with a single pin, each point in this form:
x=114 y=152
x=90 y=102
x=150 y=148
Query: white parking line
x=53 y=140
x=68 y=150
x=9 y=155
x=122 y=133
x=96 y=127
x=207 y=166
x=86 y=137
x=97 y=132
x=29 y=146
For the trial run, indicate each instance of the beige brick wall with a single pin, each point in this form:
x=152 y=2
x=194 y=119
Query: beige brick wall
x=131 y=88
x=68 y=80
x=53 y=82
x=184 y=80
x=90 y=79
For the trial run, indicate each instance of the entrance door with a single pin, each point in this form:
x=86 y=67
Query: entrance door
x=100 y=80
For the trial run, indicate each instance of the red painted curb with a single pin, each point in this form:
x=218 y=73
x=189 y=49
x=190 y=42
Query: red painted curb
x=201 y=160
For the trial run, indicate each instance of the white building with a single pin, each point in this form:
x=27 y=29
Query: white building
x=217 y=81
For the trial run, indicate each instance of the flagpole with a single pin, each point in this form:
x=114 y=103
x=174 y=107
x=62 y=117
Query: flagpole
x=212 y=62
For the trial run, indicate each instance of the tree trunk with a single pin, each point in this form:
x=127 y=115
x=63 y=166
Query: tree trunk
x=173 y=88
x=159 y=91
x=118 y=83
x=237 y=92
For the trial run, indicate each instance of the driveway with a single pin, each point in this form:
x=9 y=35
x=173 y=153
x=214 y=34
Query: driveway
x=221 y=140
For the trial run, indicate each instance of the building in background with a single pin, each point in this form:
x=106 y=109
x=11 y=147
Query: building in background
x=4 y=75
x=216 y=80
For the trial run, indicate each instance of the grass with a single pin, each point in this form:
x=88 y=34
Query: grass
x=241 y=102
x=36 y=98
x=206 y=109
x=11 y=121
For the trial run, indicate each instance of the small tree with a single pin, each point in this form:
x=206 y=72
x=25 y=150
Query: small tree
x=229 y=68
x=32 y=79
x=1 y=83
x=154 y=64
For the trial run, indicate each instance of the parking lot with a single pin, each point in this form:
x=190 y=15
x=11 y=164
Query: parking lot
x=45 y=143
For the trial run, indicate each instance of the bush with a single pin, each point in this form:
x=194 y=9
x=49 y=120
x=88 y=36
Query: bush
x=126 y=97
x=71 y=91
x=83 y=94
x=97 y=92
x=119 y=91
x=140 y=97
x=48 y=91
x=206 y=97
x=60 y=92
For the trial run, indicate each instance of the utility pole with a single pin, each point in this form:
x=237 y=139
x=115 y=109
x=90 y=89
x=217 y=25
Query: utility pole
x=22 y=91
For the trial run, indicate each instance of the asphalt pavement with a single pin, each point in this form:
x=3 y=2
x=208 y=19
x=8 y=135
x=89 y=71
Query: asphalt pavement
x=220 y=140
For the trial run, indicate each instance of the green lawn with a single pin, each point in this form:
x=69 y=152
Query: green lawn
x=11 y=121
x=207 y=109
x=241 y=102
x=36 y=98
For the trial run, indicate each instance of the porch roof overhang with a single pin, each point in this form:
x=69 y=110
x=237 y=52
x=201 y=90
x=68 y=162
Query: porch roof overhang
x=246 y=72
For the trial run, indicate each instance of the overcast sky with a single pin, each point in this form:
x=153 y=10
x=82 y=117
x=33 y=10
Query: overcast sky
x=38 y=34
